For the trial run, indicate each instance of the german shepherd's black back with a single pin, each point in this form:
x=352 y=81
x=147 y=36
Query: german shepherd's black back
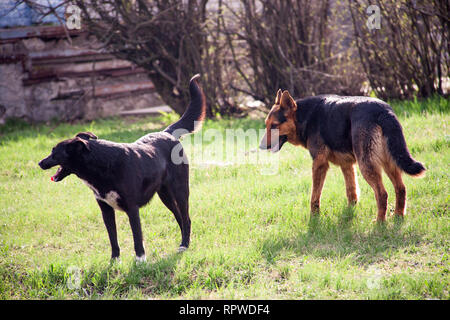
x=345 y=130
x=334 y=116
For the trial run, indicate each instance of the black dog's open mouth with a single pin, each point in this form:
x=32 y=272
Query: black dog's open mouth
x=60 y=174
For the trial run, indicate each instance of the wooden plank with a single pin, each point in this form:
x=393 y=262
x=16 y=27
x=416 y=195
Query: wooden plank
x=112 y=68
x=116 y=89
x=74 y=68
x=68 y=56
x=46 y=32
x=109 y=91
x=112 y=73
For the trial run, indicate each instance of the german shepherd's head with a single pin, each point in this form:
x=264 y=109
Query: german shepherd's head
x=280 y=123
x=66 y=153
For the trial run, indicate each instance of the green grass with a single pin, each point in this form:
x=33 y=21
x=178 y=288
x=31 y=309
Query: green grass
x=252 y=235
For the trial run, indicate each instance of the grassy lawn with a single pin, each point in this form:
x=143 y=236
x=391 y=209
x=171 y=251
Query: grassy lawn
x=252 y=235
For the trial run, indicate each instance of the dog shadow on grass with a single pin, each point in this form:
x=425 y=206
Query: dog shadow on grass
x=153 y=277
x=326 y=237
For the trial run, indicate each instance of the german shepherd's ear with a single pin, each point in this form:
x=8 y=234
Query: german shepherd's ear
x=86 y=135
x=78 y=145
x=278 y=97
x=287 y=102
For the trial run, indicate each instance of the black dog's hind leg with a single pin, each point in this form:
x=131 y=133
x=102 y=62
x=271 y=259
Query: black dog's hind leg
x=183 y=203
x=169 y=201
x=178 y=203
x=109 y=218
x=135 y=223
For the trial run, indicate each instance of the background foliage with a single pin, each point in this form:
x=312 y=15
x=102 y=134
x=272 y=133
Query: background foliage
x=254 y=47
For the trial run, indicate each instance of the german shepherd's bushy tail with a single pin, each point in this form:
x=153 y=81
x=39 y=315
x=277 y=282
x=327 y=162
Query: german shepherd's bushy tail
x=396 y=143
x=195 y=113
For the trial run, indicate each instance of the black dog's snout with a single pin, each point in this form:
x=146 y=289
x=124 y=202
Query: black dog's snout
x=46 y=163
x=42 y=164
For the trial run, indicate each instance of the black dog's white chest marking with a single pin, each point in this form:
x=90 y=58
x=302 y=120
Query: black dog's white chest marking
x=111 y=198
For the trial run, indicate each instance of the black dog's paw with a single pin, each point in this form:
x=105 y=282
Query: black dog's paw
x=182 y=249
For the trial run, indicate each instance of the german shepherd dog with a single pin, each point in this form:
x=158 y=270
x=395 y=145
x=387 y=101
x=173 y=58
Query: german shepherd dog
x=345 y=131
x=125 y=176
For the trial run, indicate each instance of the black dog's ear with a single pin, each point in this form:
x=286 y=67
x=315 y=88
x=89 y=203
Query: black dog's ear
x=86 y=135
x=78 y=145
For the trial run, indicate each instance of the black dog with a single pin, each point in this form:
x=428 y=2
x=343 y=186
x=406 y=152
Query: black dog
x=125 y=176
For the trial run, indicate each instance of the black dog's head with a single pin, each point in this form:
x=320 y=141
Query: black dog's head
x=65 y=154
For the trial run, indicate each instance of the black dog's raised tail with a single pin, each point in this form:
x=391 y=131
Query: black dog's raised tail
x=396 y=143
x=195 y=113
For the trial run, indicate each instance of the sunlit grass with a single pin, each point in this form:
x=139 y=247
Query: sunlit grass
x=252 y=235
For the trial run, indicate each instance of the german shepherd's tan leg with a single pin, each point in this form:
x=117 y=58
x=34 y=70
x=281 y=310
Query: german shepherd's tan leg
x=371 y=156
x=395 y=175
x=351 y=184
x=319 y=172
x=372 y=174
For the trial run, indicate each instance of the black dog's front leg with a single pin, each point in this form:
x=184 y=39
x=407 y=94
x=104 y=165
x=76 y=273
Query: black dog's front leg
x=135 y=223
x=109 y=218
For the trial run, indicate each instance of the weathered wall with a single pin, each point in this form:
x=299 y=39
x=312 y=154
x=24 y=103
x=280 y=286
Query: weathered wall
x=44 y=76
